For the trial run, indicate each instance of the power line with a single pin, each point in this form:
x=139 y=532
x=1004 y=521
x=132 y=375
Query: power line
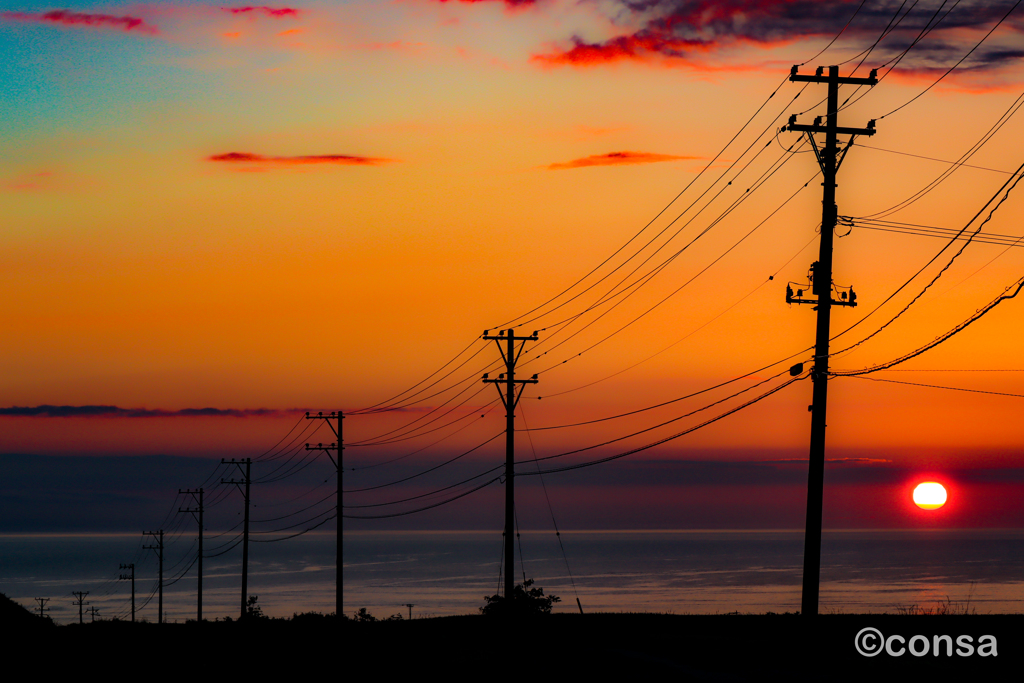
x=936 y=386
x=961 y=60
x=980 y=313
x=659 y=442
x=427 y=471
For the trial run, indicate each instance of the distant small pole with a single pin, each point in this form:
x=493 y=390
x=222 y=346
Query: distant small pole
x=245 y=526
x=93 y=611
x=159 y=548
x=80 y=595
x=410 y=606
x=130 y=577
x=43 y=609
x=197 y=513
x=340 y=447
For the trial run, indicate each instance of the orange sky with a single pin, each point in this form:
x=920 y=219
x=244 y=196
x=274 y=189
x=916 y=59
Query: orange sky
x=316 y=209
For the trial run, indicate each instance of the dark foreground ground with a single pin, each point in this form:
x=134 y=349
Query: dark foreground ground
x=578 y=647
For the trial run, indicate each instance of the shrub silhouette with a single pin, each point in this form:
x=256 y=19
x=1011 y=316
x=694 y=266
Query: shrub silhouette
x=363 y=616
x=525 y=601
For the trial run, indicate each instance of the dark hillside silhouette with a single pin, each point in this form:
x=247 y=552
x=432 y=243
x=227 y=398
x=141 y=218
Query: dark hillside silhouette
x=13 y=615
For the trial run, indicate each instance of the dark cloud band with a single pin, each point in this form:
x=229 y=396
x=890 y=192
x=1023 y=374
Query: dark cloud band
x=114 y=411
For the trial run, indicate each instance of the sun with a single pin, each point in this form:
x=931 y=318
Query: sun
x=930 y=495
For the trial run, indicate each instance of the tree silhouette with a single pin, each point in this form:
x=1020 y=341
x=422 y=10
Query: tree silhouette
x=526 y=601
x=253 y=610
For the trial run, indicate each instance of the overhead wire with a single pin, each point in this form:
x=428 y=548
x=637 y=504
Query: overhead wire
x=980 y=313
x=961 y=61
x=937 y=386
x=1005 y=190
x=490 y=407
x=427 y=471
x=618 y=456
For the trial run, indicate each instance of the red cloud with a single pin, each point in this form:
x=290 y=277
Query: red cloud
x=66 y=18
x=676 y=31
x=341 y=159
x=616 y=159
x=269 y=11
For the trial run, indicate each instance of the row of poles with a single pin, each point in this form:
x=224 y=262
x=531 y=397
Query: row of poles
x=243 y=485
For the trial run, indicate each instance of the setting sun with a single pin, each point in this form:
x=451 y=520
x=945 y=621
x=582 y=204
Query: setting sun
x=930 y=495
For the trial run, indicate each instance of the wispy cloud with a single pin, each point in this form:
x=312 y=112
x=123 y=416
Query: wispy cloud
x=617 y=159
x=114 y=411
x=248 y=158
x=276 y=12
x=81 y=19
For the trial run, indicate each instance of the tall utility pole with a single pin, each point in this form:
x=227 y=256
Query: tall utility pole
x=197 y=514
x=80 y=595
x=340 y=447
x=510 y=399
x=43 y=609
x=130 y=577
x=245 y=527
x=159 y=548
x=830 y=157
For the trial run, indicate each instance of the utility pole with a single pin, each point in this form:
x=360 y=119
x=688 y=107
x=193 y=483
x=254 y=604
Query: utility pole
x=197 y=514
x=410 y=606
x=159 y=548
x=130 y=577
x=510 y=399
x=93 y=611
x=245 y=528
x=340 y=447
x=80 y=595
x=43 y=609
x=830 y=157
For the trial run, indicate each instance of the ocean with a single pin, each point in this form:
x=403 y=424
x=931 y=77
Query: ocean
x=447 y=573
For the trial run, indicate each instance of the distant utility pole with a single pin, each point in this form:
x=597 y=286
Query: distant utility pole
x=80 y=595
x=43 y=609
x=93 y=611
x=197 y=513
x=159 y=548
x=130 y=577
x=510 y=399
x=830 y=157
x=245 y=528
x=340 y=447
x=410 y=606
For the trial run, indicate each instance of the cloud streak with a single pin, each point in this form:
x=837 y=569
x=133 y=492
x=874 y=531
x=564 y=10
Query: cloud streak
x=114 y=411
x=276 y=12
x=617 y=159
x=248 y=158
x=68 y=18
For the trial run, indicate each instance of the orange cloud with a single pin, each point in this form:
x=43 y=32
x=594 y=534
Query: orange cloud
x=260 y=159
x=617 y=159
